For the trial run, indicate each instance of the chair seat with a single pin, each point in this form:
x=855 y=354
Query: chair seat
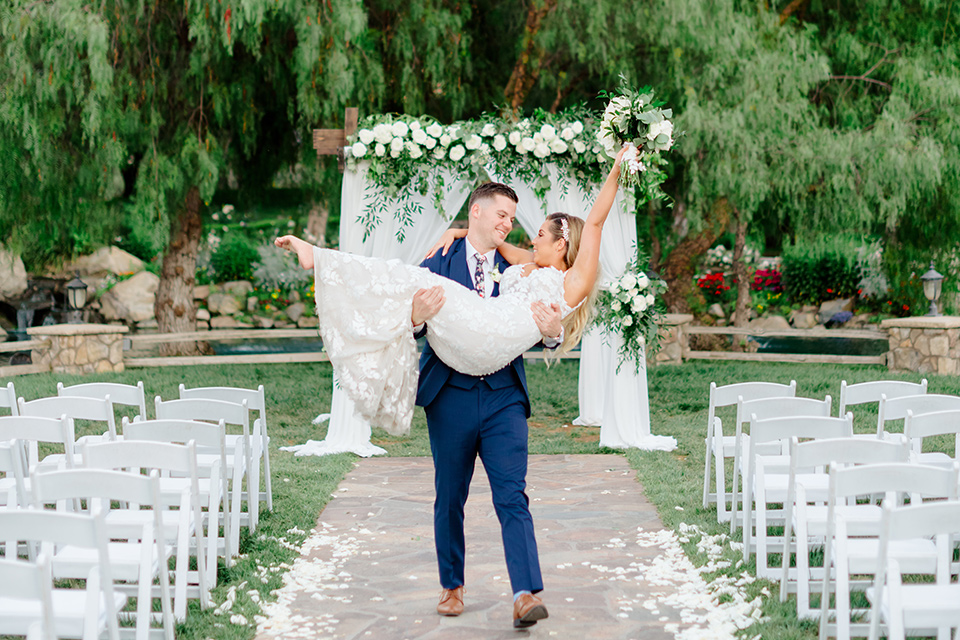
x=125 y=521
x=915 y=556
x=775 y=485
x=75 y=562
x=936 y=459
x=925 y=606
x=861 y=519
x=69 y=610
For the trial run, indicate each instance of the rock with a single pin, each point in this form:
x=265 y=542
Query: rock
x=223 y=322
x=263 y=323
x=223 y=304
x=308 y=322
x=296 y=310
x=803 y=319
x=202 y=325
x=294 y=296
x=203 y=315
x=131 y=300
x=716 y=310
x=149 y=323
x=238 y=287
x=13 y=275
x=252 y=303
x=832 y=307
x=810 y=308
x=201 y=292
x=106 y=260
x=770 y=323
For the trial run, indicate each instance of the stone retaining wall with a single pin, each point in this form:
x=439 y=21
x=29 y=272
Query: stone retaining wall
x=924 y=345
x=80 y=348
x=673 y=339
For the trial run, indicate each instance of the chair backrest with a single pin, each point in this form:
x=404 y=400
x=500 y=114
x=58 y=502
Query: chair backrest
x=127 y=395
x=255 y=398
x=94 y=409
x=766 y=408
x=8 y=399
x=95 y=484
x=729 y=394
x=924 y=425
x=869 y=392
x=31 y=583
x=140 y=455
x=899 y=478
x=231 y=413
x=805 y=427
x=32 y=430
x=847 y=451
x=892 y=409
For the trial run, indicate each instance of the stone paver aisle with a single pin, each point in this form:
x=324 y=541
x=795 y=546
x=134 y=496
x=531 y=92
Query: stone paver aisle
x=369 y=568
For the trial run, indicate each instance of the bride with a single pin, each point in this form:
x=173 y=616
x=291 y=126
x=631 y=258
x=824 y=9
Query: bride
x=364 y=309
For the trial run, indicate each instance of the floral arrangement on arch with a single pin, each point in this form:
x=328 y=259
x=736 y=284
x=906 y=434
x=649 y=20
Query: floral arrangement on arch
x=630 y=306
x=407 y=154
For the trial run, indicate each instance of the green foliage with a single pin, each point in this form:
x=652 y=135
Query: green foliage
x=814 y=272
x=234 y=258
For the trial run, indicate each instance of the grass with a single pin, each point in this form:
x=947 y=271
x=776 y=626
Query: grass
x=298 y=392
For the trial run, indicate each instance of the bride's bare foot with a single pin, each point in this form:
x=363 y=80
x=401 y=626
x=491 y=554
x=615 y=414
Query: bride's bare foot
x=302 y=248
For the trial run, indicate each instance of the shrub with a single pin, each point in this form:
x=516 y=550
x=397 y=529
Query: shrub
x=813 y=273
x=234 y=258
x=714 y=287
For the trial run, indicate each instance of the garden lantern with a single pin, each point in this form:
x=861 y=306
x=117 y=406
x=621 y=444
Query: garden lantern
x=932 y=285
x=76 y=299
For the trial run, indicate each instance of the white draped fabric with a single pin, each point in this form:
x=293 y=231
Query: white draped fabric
x=346 y=431
x=618 y=402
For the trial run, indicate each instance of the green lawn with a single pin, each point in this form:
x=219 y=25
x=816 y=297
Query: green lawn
x=298 y=392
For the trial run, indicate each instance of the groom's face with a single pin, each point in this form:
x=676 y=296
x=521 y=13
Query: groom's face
x=491 y=219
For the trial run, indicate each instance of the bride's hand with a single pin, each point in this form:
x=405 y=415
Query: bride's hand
x=446 y=241
x=619 y=159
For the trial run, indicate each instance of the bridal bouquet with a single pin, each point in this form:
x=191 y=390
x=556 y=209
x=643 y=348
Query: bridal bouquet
x=635 y=119
x=629 y=306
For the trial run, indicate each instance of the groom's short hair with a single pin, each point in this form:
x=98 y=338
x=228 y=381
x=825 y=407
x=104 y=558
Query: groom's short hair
x=491 y=189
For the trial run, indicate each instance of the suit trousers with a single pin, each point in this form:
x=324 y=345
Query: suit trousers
x=492 y=424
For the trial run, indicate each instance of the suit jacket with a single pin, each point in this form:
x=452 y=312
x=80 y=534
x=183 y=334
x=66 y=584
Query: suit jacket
x=434 y=373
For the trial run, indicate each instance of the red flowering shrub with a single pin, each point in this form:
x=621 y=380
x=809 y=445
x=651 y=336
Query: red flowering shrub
x=713 y=286
x=767 y=280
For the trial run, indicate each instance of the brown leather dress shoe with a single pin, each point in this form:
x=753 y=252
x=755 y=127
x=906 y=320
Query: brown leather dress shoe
x=451 y=602
x=527 y=610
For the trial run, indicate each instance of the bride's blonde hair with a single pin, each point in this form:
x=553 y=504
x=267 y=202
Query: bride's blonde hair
x=576 y=323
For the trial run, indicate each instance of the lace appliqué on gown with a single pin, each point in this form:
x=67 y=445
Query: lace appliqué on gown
x=364 y=306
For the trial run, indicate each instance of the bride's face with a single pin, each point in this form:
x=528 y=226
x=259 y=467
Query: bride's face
x=547 y=250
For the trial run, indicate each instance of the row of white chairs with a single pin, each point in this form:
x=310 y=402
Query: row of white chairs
x=206 y=493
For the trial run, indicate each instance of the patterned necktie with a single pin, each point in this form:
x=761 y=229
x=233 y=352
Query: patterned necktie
x=478 y=275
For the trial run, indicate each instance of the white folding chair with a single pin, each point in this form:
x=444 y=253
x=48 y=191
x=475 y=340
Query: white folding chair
x=893 y=409
x=925 y=608
x=805 y=506
x=766 y=477
x=127 y=395
x=870 y=392
x=256 y=401
x=720 y=447
x=31 y=430
x=180 y=486
x=237 y=415
x=137 y=550
x=90 y=409
x=26 y=599
x=926 y=425
x=77 y=613
x=848 y=553
x=764 y=409
x=8 y=399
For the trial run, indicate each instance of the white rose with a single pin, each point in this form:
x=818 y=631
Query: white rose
x=515 y=138
x=627 y=321
x=488 y=130
x=457 y=152
x=413 y=149
x=558 y=146
x=567 y=134
x=643 y=281
x=628 y=281
x=396 y=145
x=419 y=136
x=615 y=288
x=522 y=150
x=615 y=305
x=639 y=304
x=578 y=127
x=358 y=149
x=579 y=147
x=626 y=296
x=499 y=142
x=473 y=141
x=445 y=140
x=415 y=125
x=435 y=130
x=379 y=149
x=650 y=298
x=365 y=135
x=439 y=153
x=528 y=144
x=394 y=153
x=548 y=131
x=542 y=150
x=430 y=143
x=382 y=133
x=453 y=132
x=538 y=138
x=400 y=129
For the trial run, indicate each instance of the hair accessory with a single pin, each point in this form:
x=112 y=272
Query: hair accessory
x=565 y=230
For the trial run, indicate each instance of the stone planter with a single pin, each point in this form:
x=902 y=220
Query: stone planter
x=80 y=348
x=673 y=339
x=924 y=344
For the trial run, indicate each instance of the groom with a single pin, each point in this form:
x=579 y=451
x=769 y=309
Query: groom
x=482 y=416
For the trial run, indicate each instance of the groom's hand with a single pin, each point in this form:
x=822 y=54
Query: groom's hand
x=426 y=304
x=547 y=319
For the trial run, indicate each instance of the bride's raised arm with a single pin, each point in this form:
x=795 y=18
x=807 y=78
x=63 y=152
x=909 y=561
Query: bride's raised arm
x=583 y=274
x=511 y=253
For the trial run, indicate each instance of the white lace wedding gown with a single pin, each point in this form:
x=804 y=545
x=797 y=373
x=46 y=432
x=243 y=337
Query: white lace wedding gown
x=364 y=307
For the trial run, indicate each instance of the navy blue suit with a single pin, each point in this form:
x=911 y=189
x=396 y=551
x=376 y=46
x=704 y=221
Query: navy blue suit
x=469 y=416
